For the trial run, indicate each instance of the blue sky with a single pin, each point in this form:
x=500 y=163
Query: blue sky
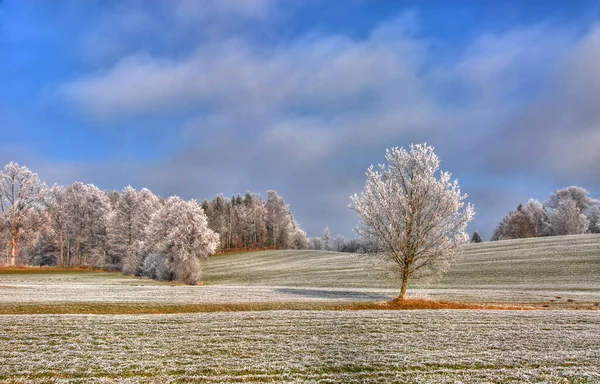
x=197 y=98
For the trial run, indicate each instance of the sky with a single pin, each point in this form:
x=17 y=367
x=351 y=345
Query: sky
x=200 y=97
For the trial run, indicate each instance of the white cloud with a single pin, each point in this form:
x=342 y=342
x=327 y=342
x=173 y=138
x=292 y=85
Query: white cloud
x=326 y=74
x=319 y=106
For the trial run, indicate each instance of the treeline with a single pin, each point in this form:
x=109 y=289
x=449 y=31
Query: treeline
x=338 y=244
x=569 y=211
x=248 y=222
x=132 y=231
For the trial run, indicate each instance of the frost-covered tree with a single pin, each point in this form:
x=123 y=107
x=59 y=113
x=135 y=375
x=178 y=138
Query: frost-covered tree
x=179 y=233
x=147 y=204
x=529 y=220
x=130 y=216
x=21 y=198
x=579 y=195
x=279 y=221
x=299 y=239
x=594 y=217
x=56 y=209
x=315 y=243
x=88 y=211
x=567 y=218
x=338 y=243
x=326 y=237
x=537 y=215
x=122 y=228
x=250 y=222
x=412 y=212
x=476 y=238
x=256 y=214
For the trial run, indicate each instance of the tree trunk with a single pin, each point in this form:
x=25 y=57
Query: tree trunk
x=13 y=251
x=78 y=250
x=62 y=260
x=404 y=286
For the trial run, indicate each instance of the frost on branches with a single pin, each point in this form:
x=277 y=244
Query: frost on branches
x=178 y=232
x=21 y=197
x=412 y=213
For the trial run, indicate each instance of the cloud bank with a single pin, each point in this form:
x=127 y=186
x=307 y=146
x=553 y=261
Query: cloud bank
x=306 y=113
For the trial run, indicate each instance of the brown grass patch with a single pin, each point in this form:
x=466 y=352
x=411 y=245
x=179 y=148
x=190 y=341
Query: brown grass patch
x=412 y=304
x=138 y=309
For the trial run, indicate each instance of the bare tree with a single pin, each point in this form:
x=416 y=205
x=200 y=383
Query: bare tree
x=411 y=214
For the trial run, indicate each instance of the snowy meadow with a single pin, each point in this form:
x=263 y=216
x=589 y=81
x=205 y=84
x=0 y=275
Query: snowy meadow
x=247 y=341
x=304 y=346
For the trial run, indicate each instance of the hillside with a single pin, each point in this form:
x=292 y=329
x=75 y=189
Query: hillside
x=562 y=260
x=549 y=270
x=561 y=271
x=566 y=261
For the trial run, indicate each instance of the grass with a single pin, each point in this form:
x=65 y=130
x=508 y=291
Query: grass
x=310 y=316
x=565 y=261
x=551 y=273
x=442 y=346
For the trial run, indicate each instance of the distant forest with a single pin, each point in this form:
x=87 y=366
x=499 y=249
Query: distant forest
x=83 y=226
x=569 y=211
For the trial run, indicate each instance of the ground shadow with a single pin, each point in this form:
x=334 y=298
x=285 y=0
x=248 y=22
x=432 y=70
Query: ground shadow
x=330 y=294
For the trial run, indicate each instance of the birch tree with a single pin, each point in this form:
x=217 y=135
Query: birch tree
x=412 y=213
x=21 y=195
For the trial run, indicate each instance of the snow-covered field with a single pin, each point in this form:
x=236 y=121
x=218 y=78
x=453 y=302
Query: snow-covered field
x=561 y=261
x=529 y=271
x=299 y=346
x=100 y=287
x=317 y=346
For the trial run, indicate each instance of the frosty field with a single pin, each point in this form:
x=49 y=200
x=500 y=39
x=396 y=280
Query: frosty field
x=254 y=343
x=300 y=346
